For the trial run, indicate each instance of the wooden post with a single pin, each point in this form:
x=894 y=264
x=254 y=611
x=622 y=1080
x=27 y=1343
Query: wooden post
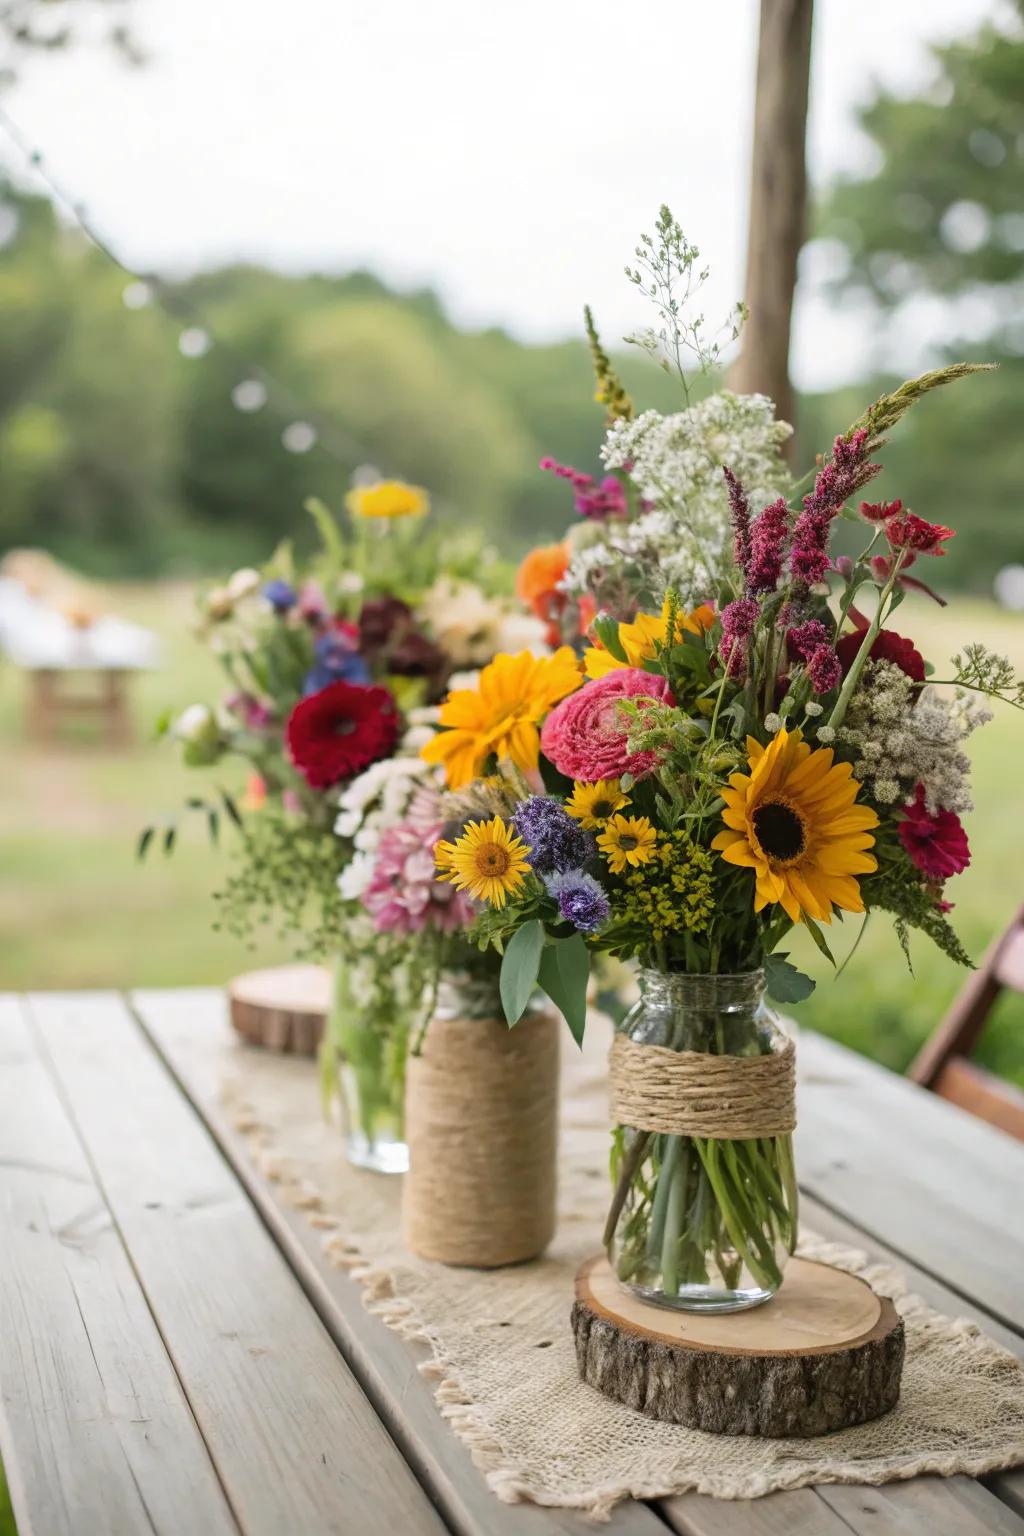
x=777 y=200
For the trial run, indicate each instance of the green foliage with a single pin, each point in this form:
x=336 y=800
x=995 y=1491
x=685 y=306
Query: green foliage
x=564 y=973
x=784 y=982
x=519 y=969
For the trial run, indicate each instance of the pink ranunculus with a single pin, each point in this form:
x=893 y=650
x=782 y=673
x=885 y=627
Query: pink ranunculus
x=935 y=843
x=404 y=895
x=585 y=735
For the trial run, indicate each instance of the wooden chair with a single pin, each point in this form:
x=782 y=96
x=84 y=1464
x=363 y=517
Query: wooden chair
x=943 y=1063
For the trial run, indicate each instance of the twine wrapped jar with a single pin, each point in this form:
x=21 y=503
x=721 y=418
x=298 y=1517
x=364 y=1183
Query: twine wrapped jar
x=704 y=1211
x=481 y=1118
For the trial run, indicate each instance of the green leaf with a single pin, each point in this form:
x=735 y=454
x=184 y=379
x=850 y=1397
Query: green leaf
x=232 y=809
x=818 y=937
x=169 y=837
x=784 y=982
x=564 y=974
x=519 y=968
x=330 y=533
x=607 y=631
x=145 y=838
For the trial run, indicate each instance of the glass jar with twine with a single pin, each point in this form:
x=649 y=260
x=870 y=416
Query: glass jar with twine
x=704 y=1211
x=481 y=1122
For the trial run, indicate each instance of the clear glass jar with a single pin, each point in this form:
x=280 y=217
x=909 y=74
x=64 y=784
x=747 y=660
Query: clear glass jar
x=365 y=1048
x=700 y=1223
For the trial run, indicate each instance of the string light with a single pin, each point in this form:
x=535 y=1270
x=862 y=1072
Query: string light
x=305 y=428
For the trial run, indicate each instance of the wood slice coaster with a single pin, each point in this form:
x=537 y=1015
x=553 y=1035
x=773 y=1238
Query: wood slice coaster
x=282 y=1009
x=823 y=1354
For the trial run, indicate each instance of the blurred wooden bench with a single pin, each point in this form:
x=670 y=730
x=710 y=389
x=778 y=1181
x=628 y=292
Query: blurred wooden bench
x=943 y=1063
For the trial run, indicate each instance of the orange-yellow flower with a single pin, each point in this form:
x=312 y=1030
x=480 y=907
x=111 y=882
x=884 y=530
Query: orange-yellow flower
x=488 y=861
x=639 y=639
x=387 y=498
x=793 y=821
x=539 y=574
x=501 y=716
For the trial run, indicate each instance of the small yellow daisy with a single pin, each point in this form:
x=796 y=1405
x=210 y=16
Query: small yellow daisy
x=628 y=840
x=387 y=498
x=488 y=861
x=593 y=804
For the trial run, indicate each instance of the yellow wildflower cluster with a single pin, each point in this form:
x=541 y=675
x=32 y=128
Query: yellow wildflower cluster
x=674 y=892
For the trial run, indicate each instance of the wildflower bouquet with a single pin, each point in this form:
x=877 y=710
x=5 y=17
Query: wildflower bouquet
x=709 y=775
x=334 y=665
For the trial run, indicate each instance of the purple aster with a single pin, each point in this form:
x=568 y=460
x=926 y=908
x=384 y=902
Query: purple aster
x=335 y=661
x=581 y=899
x=281 y=595
x=556 y=841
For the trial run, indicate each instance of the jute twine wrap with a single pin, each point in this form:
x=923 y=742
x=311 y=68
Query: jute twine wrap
x=692 y=1093
x=481 y=1120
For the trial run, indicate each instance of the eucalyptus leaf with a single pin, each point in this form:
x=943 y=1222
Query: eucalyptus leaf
x=564 y=974
x=519 y=968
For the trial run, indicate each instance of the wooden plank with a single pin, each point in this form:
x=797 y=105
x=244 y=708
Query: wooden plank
x=800 y=1513
x=926 y=1506
x=296 y=1443
x=97 y=1435
x=982 y=1094
x=939 y=1187
x=190 y=1030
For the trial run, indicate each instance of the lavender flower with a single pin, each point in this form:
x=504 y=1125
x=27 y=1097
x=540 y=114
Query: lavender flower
x=557 y=842
x=581 y=899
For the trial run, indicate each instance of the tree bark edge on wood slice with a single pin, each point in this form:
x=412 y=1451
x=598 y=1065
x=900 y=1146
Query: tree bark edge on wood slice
x=824 y=1357
x=282 y=1008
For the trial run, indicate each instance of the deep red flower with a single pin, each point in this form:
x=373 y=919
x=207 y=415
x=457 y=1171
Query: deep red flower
x=888 y=646
x=336 y=733
x=935 y=844
x=907 y=531
x=880 y=511
x=381 y=619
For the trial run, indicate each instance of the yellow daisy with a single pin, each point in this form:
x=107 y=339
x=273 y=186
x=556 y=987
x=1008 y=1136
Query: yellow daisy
x=593 y=804
x=628 y=840
x=501 y=716
x=488 y=861
x=639 y=639
x=387 y=498
x=793 y=821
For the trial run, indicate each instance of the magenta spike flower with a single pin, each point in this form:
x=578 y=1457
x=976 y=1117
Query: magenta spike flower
x=739 y=506
x=738 y=621
x=824 y=669
x=807 y=638
x=846 y=472
x=767 y=547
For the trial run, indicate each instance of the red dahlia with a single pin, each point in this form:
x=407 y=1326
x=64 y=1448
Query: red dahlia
x=336 y=733
x=889 y=646
x=936 y=844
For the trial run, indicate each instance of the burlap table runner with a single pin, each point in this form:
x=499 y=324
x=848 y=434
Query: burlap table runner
x=502 y=1352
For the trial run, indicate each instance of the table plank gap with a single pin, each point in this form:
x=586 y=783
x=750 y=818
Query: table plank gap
x=97 y=1434
x=922 y=1507
x=297 y=1444
x=798 y=1513
x=189 y=1030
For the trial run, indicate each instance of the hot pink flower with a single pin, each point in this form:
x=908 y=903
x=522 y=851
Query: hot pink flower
x=936 y=844
x=585 y=735
x=404 y=895
x=594 y=502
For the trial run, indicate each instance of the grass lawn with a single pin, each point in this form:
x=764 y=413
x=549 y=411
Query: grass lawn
x=77 y=910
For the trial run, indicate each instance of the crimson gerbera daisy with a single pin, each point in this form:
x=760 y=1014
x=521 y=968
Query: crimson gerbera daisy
x=336 y=733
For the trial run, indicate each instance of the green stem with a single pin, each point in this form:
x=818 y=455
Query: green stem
x=860 y=661
x=673 y=1231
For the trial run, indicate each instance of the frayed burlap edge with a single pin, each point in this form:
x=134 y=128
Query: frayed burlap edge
x=506 y=1481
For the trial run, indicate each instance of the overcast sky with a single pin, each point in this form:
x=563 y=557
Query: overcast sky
x=506 y=154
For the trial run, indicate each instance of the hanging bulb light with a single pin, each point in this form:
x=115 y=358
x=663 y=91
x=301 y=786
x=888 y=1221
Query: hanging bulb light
x=299 y=437
x=137 y=295
x=249 y=395
x=194 y=342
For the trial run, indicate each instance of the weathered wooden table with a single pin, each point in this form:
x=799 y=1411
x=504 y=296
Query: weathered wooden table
x=177 y=1357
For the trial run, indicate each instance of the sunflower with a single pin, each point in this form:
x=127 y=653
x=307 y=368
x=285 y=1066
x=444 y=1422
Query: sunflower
x=593 y=804
x=793 y=821
x=387 y=498
x=488 y=861
x=640 y=639
x=501 y=715
x=628 y=840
